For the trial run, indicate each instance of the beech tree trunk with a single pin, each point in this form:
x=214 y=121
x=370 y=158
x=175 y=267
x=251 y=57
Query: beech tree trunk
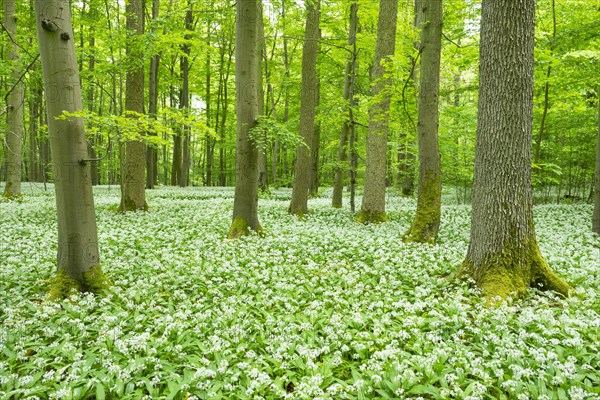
x=299 y=203
x=260 y=50
x=133 y=196
x=373 y=202
x=596 y=216
x=151 y=154
x=313 y=183
x=78 y=256
x=425 y=226
x=342 y=154
x=14 y=109
x=245 y=204
x=503 y=255
x=184 y=100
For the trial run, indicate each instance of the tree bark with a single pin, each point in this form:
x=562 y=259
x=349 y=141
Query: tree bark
x=133 y=196
x=78 y=256
x=14 y=109
x=313 y=184
x=260 y=43
x=596 y=215
x=184 y=100
x=151 y=154
x=373 y=202
x=426 y=224
x=538 y=140
x=245 y=205
x=299 y=203
x=503 y=255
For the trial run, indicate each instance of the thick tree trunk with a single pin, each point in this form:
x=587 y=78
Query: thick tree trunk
x=596 y=216
x=78 y=255
x=133 y=196
x=425 y=226
x=245 y=205
x=373 y=202
x=14 y=109
x=299 y=203
x=503 y=256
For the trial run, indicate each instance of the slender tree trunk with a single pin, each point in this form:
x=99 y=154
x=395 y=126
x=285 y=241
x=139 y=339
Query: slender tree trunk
x=14 y=109
x=245 y=205
x=596 y=216
x=426 y=224
x=133 y=196
x=184 y=99
x=224 y=108
x=78 y=256
x=538 y=140
x=313 y=184
x=342 y=154
x=373 y=202
x=151 y=154
x=260 y=43
x=209 y=141
x=286 y=102
x=299 y=203
x=503 y=255
x=34 y=110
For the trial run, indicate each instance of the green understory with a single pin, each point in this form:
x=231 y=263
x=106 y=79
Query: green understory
x=62 y=286
x=371 y=217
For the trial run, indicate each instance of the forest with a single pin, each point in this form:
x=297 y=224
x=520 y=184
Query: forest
x=300 y=199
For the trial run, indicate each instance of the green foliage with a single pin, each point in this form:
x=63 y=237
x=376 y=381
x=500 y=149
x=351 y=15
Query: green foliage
x=267 y=131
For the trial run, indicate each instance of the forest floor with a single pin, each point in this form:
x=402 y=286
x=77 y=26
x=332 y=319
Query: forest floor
x=322 y=307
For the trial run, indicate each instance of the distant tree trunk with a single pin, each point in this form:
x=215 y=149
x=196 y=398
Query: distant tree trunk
x=33 y=142
x=596 y=217
x=313 y=184
x=425 y=226
x=209 y=141
x=406 y=158
x=373 y=202
x=184 y=99
x=78 y=256
x=299 y=203
x=151 y=154
x=503 y=255
x=538 y=140
x=14 y=109
x=342 y=154
x=245 y=205
x=260 y=43
x=133 y=196
x=224 y=108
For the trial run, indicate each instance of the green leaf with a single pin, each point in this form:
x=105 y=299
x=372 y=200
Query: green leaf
x=100 y=393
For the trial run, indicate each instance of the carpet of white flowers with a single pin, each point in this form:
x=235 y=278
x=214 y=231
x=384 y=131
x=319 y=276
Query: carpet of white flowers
x=320 y=308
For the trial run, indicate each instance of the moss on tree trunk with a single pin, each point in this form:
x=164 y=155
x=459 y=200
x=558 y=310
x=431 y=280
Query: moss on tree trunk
x=93 y=280
x=425 y=226
x=240 y=227
x=371 y=217
x=511 y=272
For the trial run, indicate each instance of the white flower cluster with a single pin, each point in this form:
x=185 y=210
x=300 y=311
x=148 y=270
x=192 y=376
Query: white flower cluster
x=320 y=308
